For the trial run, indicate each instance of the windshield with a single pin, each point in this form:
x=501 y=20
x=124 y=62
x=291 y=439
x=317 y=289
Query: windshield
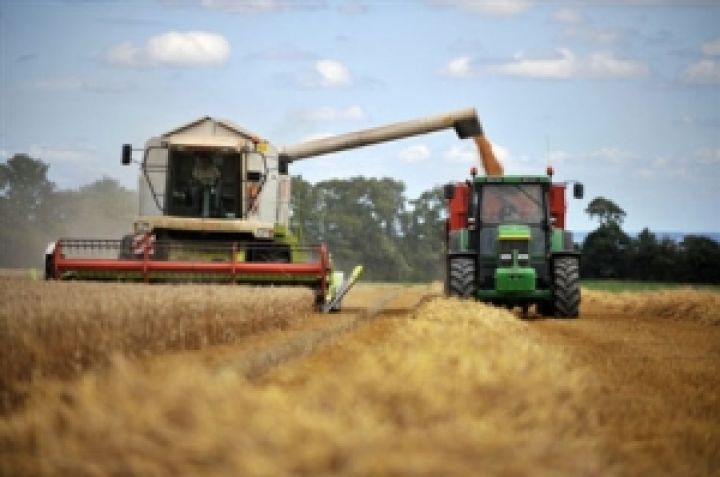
x=512 y=204
x=204 y=183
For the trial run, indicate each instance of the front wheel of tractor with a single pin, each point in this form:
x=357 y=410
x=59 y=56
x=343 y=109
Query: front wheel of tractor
x=567 y=287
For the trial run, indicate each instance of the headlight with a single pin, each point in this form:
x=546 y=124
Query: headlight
x=142 y=227
x=264 y=233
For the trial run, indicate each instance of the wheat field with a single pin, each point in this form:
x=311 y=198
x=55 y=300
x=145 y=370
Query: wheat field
x=60 y=330
x=447 y=388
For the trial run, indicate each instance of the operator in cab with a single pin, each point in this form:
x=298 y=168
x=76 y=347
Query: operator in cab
x=207 y=175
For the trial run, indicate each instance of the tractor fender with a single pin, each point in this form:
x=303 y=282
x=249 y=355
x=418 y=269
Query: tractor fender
x=565 y=253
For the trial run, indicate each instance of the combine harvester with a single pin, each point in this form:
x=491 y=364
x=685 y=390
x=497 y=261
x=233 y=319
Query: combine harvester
x=506 y=240
x=214 y=208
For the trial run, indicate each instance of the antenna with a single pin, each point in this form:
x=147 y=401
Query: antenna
x=547 y=150
x=549 y=167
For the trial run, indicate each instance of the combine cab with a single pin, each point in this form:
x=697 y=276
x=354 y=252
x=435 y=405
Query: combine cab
x=214 y=208
x=507 y=243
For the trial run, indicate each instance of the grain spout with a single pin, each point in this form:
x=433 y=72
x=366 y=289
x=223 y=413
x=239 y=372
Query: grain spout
x=489 y=162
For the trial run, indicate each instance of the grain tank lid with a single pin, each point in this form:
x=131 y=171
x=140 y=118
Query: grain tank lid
x=213 y=124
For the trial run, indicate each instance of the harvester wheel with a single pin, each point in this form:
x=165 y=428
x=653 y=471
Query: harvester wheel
x=567 y=287
x=462 y=277
x=49 y=267
x=126 y=247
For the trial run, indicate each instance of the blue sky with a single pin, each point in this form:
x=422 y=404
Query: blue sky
x=623 y=95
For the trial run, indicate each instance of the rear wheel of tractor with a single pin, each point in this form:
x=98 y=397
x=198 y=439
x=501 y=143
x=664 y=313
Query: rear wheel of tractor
x=567 y=287
x=462 y=277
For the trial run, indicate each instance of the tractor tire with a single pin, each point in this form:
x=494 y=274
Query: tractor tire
x=462 y=277
x=567 y=287
x=545 y=308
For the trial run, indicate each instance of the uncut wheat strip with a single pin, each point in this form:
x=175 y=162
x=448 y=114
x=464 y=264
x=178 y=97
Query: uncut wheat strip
x=62 y=329
x=681 y=304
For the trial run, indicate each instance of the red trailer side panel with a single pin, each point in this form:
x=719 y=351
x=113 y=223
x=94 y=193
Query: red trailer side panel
x=558 y=205
x=459 y=207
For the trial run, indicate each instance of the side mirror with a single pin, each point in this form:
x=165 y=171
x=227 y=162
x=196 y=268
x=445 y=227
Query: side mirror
x=578 y=190
x=126 y=154
x=449 y=190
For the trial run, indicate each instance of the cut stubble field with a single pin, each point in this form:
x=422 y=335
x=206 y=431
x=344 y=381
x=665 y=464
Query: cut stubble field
x=104 y=379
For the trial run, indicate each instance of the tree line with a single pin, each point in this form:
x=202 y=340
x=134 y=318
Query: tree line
x=371 y=222
x=34 y=212
x=609 y=252
x=363 y=220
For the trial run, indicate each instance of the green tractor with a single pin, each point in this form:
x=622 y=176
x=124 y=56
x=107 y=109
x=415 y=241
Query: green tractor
x=506 y=243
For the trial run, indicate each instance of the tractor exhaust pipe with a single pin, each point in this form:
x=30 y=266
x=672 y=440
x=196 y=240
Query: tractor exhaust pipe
x=465 y=122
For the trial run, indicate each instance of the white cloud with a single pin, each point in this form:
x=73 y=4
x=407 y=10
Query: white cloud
x=328 y=113
x=353 y=7
x=458 y=67
x=702 y=72
x=712 y=47
x=576 y=27
x=316 y=136
x=586 y=32
x=605 y=64
x=125 y=54
x=462 y=153
x=487 y=7
x=567 y=15
x=563 y=65
x=708 y=156
x=262 y=6
x=414 y=153
x=332 y=74
x=192 y=48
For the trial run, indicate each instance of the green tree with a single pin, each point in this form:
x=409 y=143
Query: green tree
x=423 y=231
x=363 y=220
x=28 y=211
x=699 y=260
x=360 y=221
x=606 y=251
x=605 y=211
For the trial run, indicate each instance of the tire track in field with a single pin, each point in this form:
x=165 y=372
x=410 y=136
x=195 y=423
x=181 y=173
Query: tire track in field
x=255 y=355
x=398 y=301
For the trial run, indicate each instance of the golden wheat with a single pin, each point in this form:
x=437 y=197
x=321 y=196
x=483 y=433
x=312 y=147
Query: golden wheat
x=52 y=329
x=454 y=388
x=681 y=304
x=460 y=389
